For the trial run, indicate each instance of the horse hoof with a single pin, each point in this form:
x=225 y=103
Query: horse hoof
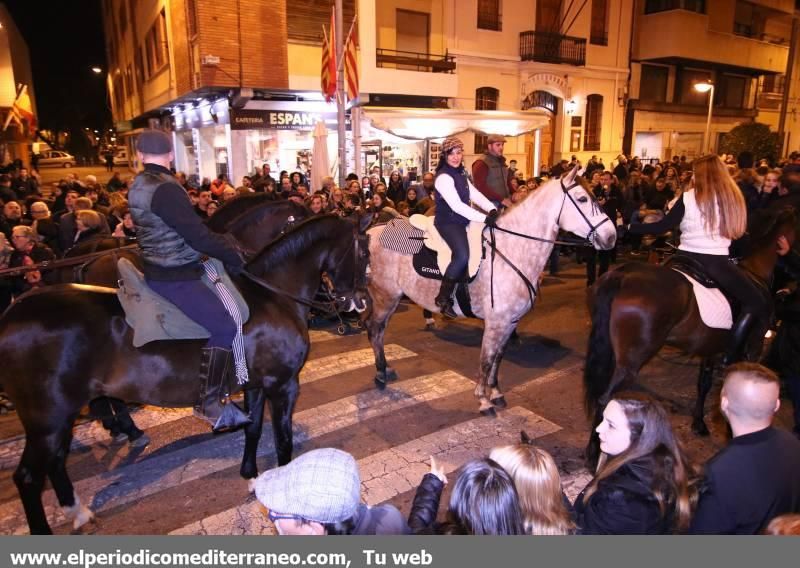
x=430 y=325
x=499 y=402
x=490 y=412
x=251 y=485
x=391 y=374
x=380 y=382
x=700 y=428
x=79 y=513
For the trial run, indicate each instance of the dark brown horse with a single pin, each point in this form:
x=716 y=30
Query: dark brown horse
x=65 y=345
x=639 y=308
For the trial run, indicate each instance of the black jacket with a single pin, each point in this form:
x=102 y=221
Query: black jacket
x=753 y=480
x=425 y=508
x=624 y=503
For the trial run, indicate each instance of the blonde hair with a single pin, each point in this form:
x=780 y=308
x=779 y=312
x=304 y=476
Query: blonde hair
x=89 y=218
x=116 y=200
x=720 y=200
x=538 y=484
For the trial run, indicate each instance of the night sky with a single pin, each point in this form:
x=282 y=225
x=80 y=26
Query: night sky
x=65 y=39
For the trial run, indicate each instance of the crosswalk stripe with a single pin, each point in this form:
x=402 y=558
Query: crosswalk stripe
x=320 y=335
x=316 y=369
x=141 y=479
x=399 y=469
x=344 y=362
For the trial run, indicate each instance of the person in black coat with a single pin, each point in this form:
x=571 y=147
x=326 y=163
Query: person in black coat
x=484 y=501
x=757 y=476
x=642 y=485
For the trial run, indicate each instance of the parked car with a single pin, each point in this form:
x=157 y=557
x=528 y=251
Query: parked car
x=121 y=157
x=56 y=158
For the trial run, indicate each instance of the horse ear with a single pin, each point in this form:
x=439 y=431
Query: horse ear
x=571 y=176
x=524 y=438
x=364 y=222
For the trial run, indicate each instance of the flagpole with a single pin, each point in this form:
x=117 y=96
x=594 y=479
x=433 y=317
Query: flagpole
x=340 y=93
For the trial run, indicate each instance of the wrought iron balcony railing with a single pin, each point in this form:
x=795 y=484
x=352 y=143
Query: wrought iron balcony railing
x=549 y=47
x=413 y=61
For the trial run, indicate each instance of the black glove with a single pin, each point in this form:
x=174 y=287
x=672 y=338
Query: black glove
x=491 y=218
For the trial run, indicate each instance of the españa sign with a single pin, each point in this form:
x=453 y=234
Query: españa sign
x=278 y=119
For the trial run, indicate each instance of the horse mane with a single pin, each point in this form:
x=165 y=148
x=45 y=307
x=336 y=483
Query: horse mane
x=302 y=236
x=231 y=210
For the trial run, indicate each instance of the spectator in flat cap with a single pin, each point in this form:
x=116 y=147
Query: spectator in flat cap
x=490 y=173
x=319 y=493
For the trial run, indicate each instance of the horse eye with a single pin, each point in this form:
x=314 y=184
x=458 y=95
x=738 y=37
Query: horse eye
x=583 y=199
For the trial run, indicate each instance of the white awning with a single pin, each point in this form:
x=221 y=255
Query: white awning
x=432 y=124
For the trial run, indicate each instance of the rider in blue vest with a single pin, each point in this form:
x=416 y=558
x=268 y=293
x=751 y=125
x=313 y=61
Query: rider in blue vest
x=454 y=191
x=173 y=240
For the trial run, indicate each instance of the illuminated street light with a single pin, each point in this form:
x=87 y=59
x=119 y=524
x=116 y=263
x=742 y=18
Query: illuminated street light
x=707 y=87
x=97 y=70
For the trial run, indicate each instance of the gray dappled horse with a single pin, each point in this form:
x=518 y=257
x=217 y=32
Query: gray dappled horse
x=504 y=289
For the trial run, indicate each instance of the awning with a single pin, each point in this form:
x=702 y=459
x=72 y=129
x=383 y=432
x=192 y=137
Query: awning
x=431 y=124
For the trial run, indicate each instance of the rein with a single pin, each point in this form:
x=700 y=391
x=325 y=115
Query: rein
x=530 y=286
x=62 y=263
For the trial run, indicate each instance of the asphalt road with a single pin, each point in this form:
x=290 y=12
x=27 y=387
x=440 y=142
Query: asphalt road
x=186 y=481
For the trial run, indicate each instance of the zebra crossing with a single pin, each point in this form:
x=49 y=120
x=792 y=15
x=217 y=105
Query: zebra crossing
x=386 y=473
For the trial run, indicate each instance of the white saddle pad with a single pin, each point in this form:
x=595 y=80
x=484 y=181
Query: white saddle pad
x=714 y=307
x=434 y=241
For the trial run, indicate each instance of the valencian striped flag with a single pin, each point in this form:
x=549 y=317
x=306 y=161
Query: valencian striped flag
x=351 y=62
x=328 y=82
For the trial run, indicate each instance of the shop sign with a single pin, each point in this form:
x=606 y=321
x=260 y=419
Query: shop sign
x=243 y=119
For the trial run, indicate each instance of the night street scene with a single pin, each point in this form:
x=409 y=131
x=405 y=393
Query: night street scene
x=270 y=267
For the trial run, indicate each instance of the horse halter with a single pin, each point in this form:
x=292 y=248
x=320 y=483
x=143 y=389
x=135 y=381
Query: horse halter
x=592 y=228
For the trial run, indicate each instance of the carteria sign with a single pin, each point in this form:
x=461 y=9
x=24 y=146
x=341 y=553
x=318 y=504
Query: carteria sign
x=278 y=119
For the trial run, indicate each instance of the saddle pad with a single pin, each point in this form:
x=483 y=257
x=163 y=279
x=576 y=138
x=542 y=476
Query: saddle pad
x=154 y=318
x=715 y=310
x=426 y=264
x=399 y=235
x=435 y=242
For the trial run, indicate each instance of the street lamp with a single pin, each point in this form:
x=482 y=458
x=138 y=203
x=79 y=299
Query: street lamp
x=96 y=70
x=707 y=87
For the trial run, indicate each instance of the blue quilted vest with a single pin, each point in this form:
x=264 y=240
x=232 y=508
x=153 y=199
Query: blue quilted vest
x=445 y=215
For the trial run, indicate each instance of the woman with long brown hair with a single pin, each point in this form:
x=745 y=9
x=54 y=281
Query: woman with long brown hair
x=712 y=214
x=643 y=480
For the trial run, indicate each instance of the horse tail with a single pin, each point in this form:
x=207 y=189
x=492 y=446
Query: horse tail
x=600 y=358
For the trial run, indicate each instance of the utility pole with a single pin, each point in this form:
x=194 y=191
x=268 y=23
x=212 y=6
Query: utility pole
x=787 y=86
x=341 y=91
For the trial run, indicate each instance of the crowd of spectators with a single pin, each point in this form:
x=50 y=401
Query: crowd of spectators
x=644 y=482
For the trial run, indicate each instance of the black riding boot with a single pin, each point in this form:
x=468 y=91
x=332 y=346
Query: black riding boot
x=740 y=338
x=214 y=404
x=444 y=300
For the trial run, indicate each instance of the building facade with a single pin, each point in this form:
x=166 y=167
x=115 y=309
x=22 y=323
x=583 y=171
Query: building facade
x=742 y=47
x=15 y=73
x=554 y=73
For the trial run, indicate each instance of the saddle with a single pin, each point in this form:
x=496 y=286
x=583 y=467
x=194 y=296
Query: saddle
x=152 y=317
x=434 y=241
x=716 y=309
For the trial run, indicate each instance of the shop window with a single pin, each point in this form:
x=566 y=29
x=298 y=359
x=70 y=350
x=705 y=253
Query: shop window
x=653 y=83
x=773 y=84
x=489 y=16
x=594 y=120
x=653 y=6
x=486 y=98
x=687 y=94
x=599 y=29
x=481 y=142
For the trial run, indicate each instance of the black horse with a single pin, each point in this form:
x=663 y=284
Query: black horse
x=65 y=345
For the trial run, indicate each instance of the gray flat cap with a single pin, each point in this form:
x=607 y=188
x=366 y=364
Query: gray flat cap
x=321 y=485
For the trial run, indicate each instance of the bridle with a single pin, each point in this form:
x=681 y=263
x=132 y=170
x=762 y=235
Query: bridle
x=333 y=299
x=530 y=286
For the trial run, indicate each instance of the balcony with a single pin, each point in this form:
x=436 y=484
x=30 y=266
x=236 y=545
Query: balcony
x=549 y=47
x=412 y=61
x=685 y=36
